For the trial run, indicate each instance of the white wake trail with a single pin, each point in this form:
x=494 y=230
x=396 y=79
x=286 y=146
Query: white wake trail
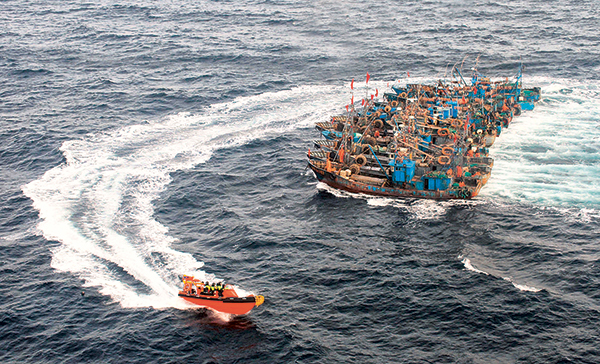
x=551 y=156
x=98 y=205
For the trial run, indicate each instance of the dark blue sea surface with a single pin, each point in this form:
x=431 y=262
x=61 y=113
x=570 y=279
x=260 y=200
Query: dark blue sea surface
x=141 y=141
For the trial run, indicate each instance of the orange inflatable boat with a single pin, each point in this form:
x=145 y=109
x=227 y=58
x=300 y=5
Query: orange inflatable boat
x=221 y=298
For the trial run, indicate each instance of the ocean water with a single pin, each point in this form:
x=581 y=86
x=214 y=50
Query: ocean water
x=142 y=141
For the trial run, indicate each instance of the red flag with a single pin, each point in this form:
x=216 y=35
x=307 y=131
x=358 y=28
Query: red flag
x=407 y=74
x=346 y=108
x=362 y=102
x=352 y=101
x=371 y=97
x=352 y=84
x=376 y=92
x=368 y=77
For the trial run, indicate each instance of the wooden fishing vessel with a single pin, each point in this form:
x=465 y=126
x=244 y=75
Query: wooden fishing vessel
x=422 y=141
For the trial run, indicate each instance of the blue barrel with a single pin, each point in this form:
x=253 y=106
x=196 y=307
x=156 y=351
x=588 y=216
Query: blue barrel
x=446 y=113
x=430 y=183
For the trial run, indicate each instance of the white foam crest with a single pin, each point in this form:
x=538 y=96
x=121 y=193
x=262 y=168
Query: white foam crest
x=522 y=287
x=467 y=263
x=425 y=209
x=469 y=266
x=551 y=156
x=419 y=209
x=321 y=186
x=380 y=201
x=581 y=215
x=98 y=204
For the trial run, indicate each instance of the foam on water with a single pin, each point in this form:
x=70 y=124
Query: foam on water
x=522 y=287
x=420 y=209
x=467 y=264
x=551 y=156
x=98 y=205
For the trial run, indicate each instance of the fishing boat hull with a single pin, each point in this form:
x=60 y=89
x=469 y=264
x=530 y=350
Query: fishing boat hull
x=231 y=305
x=347 y=184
